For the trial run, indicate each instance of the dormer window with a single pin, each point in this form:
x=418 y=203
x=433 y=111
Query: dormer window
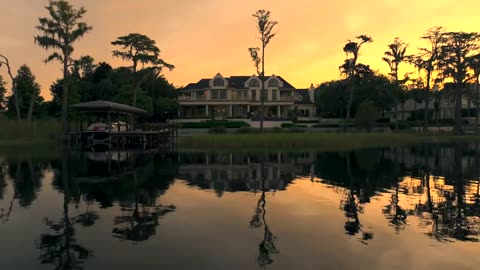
x=254 y=83
x=218 y=82
x=273 y=83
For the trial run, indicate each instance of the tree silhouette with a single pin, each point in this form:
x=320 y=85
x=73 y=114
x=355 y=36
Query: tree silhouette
x=140 y=49
x=265 y=27
x=456 y=51
x=59 y=32
x=394 y=57
x=4 y=61
x=351 y=69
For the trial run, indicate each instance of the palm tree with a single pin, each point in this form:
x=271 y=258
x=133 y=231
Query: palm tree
x=59 y=32
x=393 y=57
x=351 y=68
x=427 y=61
x=265 y=28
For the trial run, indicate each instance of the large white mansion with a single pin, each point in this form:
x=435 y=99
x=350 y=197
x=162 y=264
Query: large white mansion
x=239 y=97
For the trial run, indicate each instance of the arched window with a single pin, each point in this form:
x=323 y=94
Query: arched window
x=273 y=83
x=254 y=83
x=218 y=82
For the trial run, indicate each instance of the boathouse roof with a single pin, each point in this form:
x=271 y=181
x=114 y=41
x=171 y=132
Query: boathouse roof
x=107 y=106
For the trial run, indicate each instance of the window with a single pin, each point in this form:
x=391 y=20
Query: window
x=254 y=94
x=273 y=83
x=218 y=82
x=254 y=83
x=223 y=94
x=214 y=94
x=274 y=94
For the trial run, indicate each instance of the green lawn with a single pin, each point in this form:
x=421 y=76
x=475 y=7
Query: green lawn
x=310 y=141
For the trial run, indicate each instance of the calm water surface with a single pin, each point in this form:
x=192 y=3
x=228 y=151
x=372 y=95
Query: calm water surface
x=396 y=208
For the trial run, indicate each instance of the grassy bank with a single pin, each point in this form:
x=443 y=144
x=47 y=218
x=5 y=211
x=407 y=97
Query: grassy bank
x=310 y=141
x=37 y=132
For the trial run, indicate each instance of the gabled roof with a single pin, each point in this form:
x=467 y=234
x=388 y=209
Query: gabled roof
x=106 y=106
x=235 y=82
x=302 y=96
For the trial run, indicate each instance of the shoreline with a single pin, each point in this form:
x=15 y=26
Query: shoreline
x=321 y=142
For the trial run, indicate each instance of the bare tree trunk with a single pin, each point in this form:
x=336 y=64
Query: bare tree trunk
x=65 y=94
x=477 y=105
x=262 y=92
x=425 y=117
x=457 y=129
x=14 y=87
x=349 y=107
x=30 y=107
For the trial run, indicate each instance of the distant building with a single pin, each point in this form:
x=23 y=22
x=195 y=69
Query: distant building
x=239 y=97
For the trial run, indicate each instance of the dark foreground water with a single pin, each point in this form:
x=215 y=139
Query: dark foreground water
x=403 y=208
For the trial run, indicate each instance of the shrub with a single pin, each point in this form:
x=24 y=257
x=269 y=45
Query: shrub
x=217 y=130
x=214 y=123
x=367 y=115
x=307 y=122
x=289 y=125
x=247 y=130
x=326 y=126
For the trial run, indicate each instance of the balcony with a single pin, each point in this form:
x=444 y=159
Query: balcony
x=189 y=98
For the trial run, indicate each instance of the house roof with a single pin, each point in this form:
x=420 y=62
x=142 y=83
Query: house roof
x=302 y=96
x=235 y=82
x=106 y=106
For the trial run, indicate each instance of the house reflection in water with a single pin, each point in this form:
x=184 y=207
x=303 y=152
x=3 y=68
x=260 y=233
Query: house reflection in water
x=242 y=171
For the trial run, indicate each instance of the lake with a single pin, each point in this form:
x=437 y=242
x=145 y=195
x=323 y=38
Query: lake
x=414 y=207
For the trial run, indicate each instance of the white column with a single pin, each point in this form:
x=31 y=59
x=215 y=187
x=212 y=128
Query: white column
x=279 y=111
x=206 y=110
x=230 y=110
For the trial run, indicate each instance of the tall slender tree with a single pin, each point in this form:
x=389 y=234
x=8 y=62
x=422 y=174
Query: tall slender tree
x=140 y=49
x=265 y=27
x=351 y=69
x=474 y=65
x=394 y=57
x=456 y=51
x=4 y=61
x=59 y=32
x=426 y=62
x=29 y=90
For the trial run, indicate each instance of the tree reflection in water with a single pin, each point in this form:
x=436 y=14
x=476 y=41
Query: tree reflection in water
x=139 y=221
x=267 y=247
x=59 y=246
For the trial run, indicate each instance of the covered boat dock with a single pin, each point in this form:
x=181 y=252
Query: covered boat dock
x=104 y=123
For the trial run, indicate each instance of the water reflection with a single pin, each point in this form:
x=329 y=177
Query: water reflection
x=433 y=190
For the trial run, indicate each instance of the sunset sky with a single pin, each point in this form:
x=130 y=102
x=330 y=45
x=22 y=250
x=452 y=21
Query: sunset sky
x=203 y=37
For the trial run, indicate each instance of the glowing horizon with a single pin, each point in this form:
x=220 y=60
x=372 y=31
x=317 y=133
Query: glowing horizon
x=202 y=38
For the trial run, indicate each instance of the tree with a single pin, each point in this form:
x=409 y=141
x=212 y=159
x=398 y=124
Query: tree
x=59 y=32
x=265 y=27
x=4 y=61
x=394 y=57
x=139 y=49
x=366 y=116
x=3 y=91
x=28 y=92
x=474 y=65
x=456 y=51
x=83 y=67
x=426 y=61
x=351 y=69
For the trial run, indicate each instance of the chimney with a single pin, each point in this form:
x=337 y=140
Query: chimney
x=311 y=93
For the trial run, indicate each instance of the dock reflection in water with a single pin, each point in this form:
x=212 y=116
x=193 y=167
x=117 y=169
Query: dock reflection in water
x=382 y=208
